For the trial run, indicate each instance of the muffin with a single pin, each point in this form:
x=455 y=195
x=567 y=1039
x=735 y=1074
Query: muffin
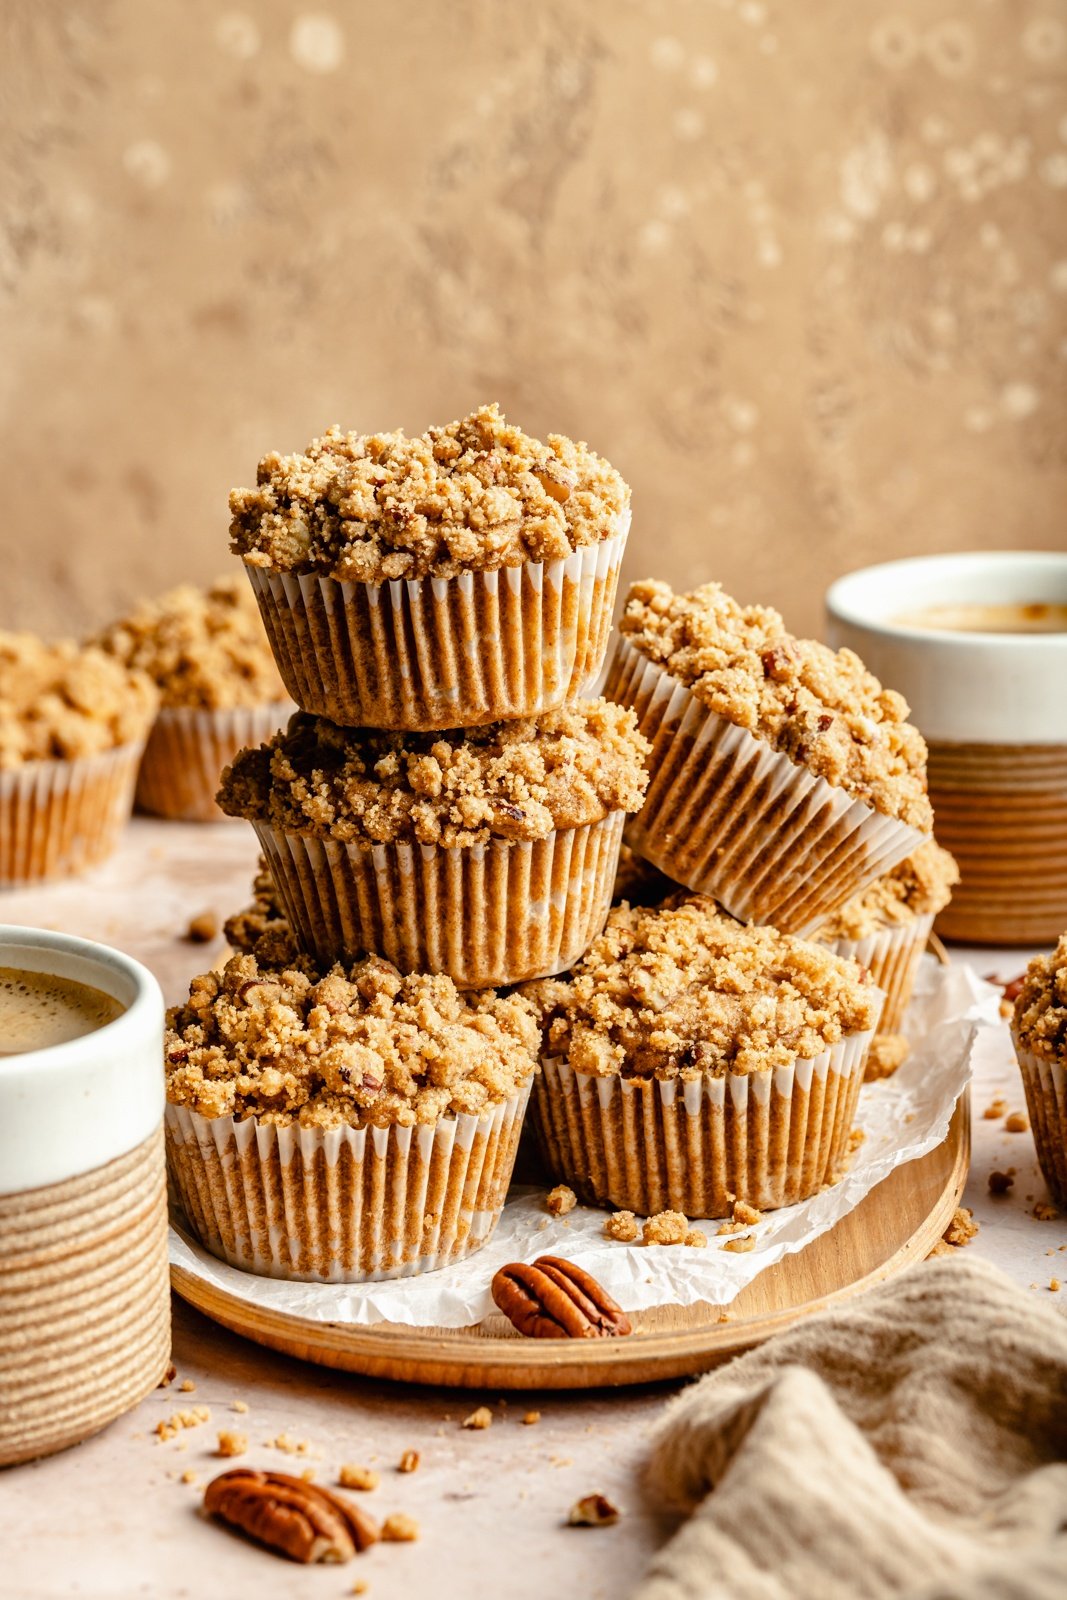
x=690 y=1061
x=346 y=1124
x=450 y=579
x=1039 y=1032
x=488 y=855
x=784 y=777
x=72 y=727
x=886 y=927
x=219 y=690
x=263 y=915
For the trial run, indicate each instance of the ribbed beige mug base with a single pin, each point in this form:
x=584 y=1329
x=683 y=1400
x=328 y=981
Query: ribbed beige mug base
x=84 y=1302
x=1045 y=1083
x=344 y=1205
x=187 y=750
x=768 y=1138
x=729 y=817
x=59 y=818
x=486 y=915
x=892 y=958
x=460 y=652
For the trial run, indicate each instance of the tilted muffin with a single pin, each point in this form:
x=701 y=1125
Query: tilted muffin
x=1039 y=1032
x=443 y=580
x=72 y=727
x=343 y=1124
x=785 y=778
x=207 y=652
x=885 y=928
x=487 y=854
x=690 y=1060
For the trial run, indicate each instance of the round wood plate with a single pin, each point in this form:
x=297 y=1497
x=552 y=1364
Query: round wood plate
x=898 y=1223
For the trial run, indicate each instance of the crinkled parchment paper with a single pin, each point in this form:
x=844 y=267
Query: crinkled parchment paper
x=903 y=1117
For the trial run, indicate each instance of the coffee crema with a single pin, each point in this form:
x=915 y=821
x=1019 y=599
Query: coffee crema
x=1022 y=616
x=38 y=1009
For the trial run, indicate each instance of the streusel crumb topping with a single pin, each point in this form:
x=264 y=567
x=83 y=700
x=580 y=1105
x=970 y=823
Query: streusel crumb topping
x=1040 y=1016
x=474 y=496
x=205 y=648
x=60 y=701
x=921 y=885
x=353 y=1047
x=510 y=780
x=264 y=914
x=683 y=990
x=820 y=707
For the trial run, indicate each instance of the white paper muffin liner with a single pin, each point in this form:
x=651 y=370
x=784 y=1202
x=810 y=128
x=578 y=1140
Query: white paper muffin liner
x=343 y=1205
x=892 y=958
x=187 y=750
x=729 y=817
x=427 y=653
x=646 y=1145
x=1045 y=1083
x=486 y=915
x=58 y=818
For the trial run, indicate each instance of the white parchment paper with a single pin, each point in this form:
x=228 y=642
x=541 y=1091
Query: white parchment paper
x=903 y=1117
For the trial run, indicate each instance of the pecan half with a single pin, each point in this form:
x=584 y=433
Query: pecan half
x=298 y=1518
x=551 y=1298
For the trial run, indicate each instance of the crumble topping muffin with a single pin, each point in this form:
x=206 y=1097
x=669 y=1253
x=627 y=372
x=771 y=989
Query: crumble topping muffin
x=1039 y=1033
x=683 y=990
x=205 y=648
x=919 y=886
x=61 y=701
x=360 y=1048
x=691 y=1061
x=511 y=781
x=820 y=707
x=476 y=495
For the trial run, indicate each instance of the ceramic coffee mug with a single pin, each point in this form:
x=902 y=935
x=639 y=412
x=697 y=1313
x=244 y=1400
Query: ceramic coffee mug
x=993 y=707
x=84 y=1288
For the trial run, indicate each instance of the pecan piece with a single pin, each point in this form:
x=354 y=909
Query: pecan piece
x=551 y=1298
x=298 y=1518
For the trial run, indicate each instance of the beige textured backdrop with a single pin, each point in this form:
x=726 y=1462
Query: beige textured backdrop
x=799 y=270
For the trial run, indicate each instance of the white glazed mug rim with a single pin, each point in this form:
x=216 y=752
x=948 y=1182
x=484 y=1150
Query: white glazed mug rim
x=843 y=605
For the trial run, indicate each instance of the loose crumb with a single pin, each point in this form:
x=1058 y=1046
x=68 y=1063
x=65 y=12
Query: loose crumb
x=1016 y=1123
x=1054 y=1285
x=962 y=1229
x=742 y=1245
x=170 y=1427
x=232 y=1443
x=480 y=1418
x=742 y=1216
x=239 y=1405
x=409 y=1461
x=1000 y=1182
x=995 y=1109
x=187 y=1386
x=203 y=928
x=696 y=1239
x=188 y=1476
x=290 y=1446
x=560 y=1200
x=623 y=1226
x=593 y=1511
x=1044 y=1212
x=350 y=1476
x=666 y=1227
x=308 y=1474
x=530 y=1419
x=361 y=1586
x=399 y=1528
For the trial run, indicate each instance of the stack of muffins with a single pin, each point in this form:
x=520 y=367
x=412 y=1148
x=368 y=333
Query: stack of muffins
x=442 y=819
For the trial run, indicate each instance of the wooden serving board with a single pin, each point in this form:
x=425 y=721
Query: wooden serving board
x=897 y=1224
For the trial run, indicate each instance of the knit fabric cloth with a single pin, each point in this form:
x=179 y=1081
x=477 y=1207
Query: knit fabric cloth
x=911 y=1444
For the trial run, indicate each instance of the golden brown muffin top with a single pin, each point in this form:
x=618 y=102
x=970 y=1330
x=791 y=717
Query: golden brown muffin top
x=205 y=648
x=1039 y=1021
x=683 y=990
x=920 y=885
x=357 y=1047
x=61 y=700
x=820 y=707
x=509 y=780
x=474 y=496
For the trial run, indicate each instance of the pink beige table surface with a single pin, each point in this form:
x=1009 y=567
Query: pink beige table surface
x=113 y=1518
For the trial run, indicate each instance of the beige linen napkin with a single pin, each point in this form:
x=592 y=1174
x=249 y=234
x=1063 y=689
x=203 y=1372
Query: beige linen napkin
x=912 y=1443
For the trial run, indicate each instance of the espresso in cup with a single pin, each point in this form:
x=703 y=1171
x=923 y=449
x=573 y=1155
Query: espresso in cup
x=1031 y=616
x=38 y=1009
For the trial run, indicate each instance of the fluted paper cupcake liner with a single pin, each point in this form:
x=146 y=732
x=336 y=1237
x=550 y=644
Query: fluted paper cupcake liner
x=1045 y=1083
x=344 y=1205
x=187 y=750
x=730 y=817
x=58 y=818
x=646 y=1145
x=457 y=652
x=486 y=915
x=892 y=958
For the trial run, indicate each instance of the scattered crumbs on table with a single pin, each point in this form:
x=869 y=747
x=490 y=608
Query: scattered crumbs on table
x=288 y=1445
x=202 y=928
x=308 y=1474
x=995 y=1109
x=743 y=1216
x=1044 y=1212
x=409 y=1461
x=1000 y=1182
x=1016 y=1122
x=696 y=1239
x=665 y=1227
x=361 y=1586
x=741 y=1244
x=529 y=1419
x=480 y=1418
x=351 y=1476
x=560 y=1200
x=399 y=1528
x=623 y=1226
x=561 y=1461
x=169 y=1427
x=1054 y=1285
x=240 y=1406
x=187 y=1386
x=962 y=1229
x=232 y=1443
x=189 y=1476
x=593 y=1511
